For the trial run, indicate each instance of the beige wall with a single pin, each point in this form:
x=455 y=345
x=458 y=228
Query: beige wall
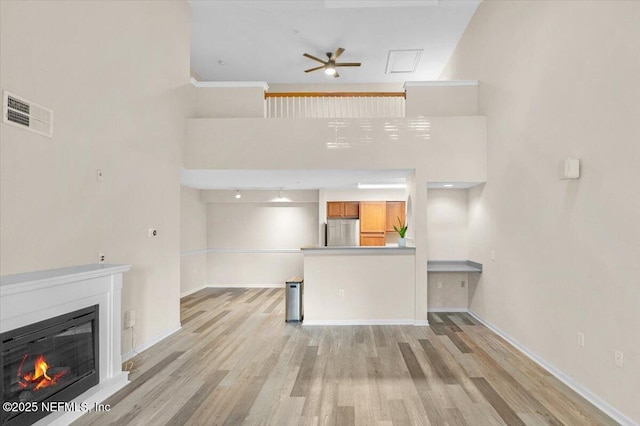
x=448 y=291
x=377 y=286
x=560 y=79
x=193 y=237
x=434 y=99
x=116 y=80
x=256 y=243
x=213 y=102
x=448 y=149
x=447 y=236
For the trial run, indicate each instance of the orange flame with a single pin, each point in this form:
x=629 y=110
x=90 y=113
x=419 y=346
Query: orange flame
x=40 y=369
x=39 y=378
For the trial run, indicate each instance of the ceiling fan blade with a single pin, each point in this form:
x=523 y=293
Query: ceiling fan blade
x=314 y=58
x=336 y=75
x=314 y=69
x=348 y=64
x=337 y=53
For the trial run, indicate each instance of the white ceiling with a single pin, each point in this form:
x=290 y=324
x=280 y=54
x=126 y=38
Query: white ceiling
x=265 y=40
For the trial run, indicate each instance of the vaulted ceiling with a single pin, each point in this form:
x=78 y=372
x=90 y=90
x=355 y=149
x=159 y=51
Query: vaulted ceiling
x=265 y=40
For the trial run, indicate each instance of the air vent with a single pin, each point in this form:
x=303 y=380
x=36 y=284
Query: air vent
x=25 y=114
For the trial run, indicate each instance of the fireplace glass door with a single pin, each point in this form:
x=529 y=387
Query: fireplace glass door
x=52 y=360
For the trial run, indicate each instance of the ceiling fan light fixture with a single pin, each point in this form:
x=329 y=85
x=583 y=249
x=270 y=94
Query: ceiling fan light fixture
x=330 y=70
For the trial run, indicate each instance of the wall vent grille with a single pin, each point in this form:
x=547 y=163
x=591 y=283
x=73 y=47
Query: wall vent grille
x=27 y=115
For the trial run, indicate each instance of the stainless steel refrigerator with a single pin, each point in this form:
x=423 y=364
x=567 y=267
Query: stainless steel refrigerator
x=343 y=232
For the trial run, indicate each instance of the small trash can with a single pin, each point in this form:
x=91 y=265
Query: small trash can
x=294 y=310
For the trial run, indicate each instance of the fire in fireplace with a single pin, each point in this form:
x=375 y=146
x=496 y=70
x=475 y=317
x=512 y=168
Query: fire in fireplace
x=50 y=361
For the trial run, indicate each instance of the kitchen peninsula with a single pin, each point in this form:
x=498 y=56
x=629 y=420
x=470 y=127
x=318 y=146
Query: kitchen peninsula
x=359 y=285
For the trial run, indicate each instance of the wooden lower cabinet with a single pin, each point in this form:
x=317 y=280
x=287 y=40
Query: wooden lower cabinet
x=368 y=239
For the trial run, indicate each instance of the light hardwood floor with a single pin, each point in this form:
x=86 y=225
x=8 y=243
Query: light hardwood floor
x=236 y=361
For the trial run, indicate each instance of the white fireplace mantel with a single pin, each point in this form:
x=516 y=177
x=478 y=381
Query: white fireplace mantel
x=35 y=296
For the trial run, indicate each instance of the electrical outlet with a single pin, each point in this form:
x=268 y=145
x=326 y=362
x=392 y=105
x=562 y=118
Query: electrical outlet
x=493 y=255
x=153 y=232
x=101 y=257
x=462 y=283
x=439 y=284
x=618 y=358
x=341 y=293
x=580 y=339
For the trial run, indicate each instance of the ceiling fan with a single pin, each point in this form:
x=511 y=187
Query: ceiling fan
x=330 y=64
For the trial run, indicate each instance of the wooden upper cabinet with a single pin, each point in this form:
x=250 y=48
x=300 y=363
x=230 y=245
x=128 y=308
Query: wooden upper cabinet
x=395 y=210
x=335 y=209
x=373 y=216
x=352 y=209
x=343 y=210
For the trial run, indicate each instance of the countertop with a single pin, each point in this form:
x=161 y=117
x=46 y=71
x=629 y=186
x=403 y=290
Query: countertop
x=359 y=250
x=453 y=266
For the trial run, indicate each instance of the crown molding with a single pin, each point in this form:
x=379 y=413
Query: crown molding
x=440 y=83
x=230 y=84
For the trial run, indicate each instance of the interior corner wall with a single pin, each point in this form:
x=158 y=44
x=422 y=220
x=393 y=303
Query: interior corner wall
x=560 y=79
x=193 y=241
x=116 y=75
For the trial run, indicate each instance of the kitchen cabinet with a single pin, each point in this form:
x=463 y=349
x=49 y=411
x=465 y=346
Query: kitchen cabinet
x=343 y=210
x=373 y=216
x=372 y=239
x=372 y=223
x=395 y=210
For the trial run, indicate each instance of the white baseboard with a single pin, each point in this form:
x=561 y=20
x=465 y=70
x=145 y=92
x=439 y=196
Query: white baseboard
x=419 y=323
x=266 y=285
x=437 y=310
x=194 y=290
x=146 y=345
x=360 y=322
x=585 y=393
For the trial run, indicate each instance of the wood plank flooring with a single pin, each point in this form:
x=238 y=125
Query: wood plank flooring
x=237 y=362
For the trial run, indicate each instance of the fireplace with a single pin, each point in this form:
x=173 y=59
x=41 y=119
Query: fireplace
x=42 y=300
x=54 y=360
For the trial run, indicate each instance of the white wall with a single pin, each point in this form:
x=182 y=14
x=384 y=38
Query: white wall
x=560 y=79
x=254 y=244
x=193 y=241
x=116 y=75
x=447 y=234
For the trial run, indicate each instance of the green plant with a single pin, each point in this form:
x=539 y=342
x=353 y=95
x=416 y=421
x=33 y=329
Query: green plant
x=402 y=230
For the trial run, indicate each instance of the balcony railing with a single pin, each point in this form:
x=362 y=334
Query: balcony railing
x=335 y=105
